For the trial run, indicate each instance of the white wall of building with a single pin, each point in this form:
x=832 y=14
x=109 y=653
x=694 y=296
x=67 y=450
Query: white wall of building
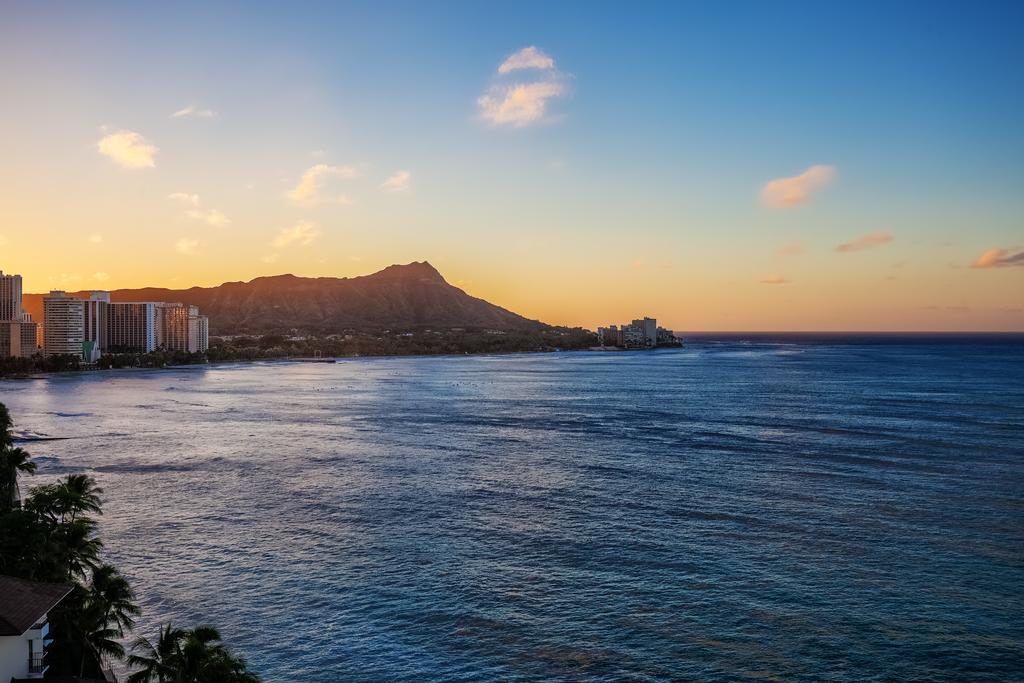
x=13 y=657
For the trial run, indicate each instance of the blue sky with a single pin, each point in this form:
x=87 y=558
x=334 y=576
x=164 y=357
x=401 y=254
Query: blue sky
x=638 y=189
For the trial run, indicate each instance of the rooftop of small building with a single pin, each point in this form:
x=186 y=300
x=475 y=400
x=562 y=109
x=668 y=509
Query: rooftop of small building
x=23 y=603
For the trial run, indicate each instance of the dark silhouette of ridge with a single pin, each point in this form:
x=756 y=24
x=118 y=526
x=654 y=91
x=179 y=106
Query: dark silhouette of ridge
x=413 y=295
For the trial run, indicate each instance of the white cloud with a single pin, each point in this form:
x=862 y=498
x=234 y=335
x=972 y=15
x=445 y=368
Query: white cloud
x=193 y=111
x=519 y=105
x=308 y=189
x=301 y=234
x=186 y=245
x=270 y=258
x=96 y=239
x=522 y=104
x=783 y=193
x=992 y=258
x=100 y=276
x=184 y=198
x=69 y=279
x=397 y=182
x=868 y=241
x=527 y=58
x=128 y=149
x=212 y=217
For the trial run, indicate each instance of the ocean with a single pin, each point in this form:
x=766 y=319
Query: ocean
x=778 y=508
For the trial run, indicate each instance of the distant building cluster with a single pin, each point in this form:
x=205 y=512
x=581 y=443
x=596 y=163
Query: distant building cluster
x=642 y=333
x=18 y=334
x=91 y=327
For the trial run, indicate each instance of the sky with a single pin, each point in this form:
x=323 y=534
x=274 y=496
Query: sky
x=719 y=166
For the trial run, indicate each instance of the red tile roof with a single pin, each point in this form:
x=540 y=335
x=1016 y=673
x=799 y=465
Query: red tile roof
x=23 y=603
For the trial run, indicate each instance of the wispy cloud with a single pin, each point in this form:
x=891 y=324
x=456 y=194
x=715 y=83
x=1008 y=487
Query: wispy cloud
x=775 y=280
x=999 y=258
x=519 y=105
x=522 y=104
x=301 y=234
x=212 y=217
x=307 y=191
x=397 y=182
x=100 y=276
x=792 y=249
x=783 y=193
x=270 y=258
x=96 y=239
x=184 y=198
x=209 y=216
x=129 y=149
x=868 y=241
x=528 y=58
x=194 y=111
x=186 y=246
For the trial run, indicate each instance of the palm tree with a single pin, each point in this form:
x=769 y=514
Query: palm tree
x=158 y=663
x=69 y=497
x=6 y=426
x=13 y=461
x=188 y=656
x=113 y=596
x=103 y=613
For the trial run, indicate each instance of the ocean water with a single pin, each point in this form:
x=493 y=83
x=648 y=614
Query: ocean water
x=777 y=509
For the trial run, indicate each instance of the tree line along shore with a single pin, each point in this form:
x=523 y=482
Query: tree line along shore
x=353 y=344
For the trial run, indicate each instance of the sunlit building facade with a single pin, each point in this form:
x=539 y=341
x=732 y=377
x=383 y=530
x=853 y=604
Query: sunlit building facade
x=17 y=338
x=131 y=327
x=10 y=297
x=181 y=328
x=63 y=324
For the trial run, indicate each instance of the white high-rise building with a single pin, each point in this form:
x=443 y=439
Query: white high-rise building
x=95 y=326
x=63 y=324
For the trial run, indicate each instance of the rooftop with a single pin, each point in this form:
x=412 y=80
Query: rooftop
x=23 y=603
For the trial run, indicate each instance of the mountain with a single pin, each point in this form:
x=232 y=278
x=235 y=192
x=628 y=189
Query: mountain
x=400 y=296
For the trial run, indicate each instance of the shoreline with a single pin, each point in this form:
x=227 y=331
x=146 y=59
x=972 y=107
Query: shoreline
x=326 y=360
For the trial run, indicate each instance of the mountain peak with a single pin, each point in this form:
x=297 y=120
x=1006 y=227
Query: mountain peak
x=417 y=270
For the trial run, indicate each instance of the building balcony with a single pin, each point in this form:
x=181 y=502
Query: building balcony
x=36 y=666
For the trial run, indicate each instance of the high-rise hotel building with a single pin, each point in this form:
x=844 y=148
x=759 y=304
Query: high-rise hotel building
x=181 y=328
x=10 y=297
x=97 y=325
x=17 y=329
x=131 y=327
x=63 y=324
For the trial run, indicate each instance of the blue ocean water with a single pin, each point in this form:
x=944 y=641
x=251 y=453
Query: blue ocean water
x=778 y=508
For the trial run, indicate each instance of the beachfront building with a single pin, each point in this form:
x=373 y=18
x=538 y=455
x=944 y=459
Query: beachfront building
x=63 y=324
x=131 y=327
x=17 y=338
x=24 y=629
x=181 y=328
x=642 y=333
x=17 y=329
x=95 y=326
x=10 y=297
